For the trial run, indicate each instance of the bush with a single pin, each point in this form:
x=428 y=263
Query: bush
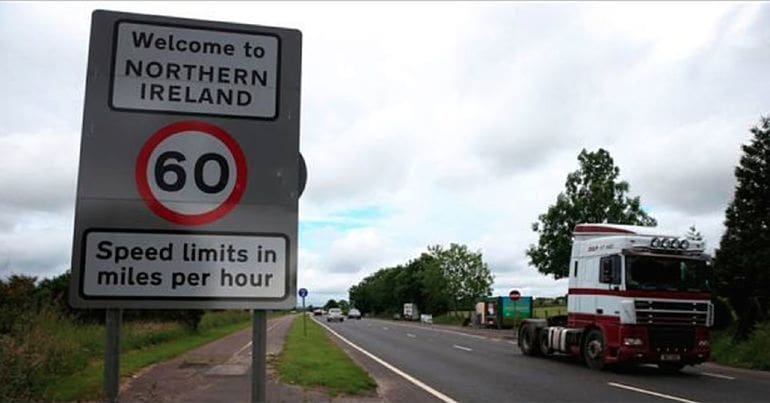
x=35 y=352
x=753 y=353
x=16 y=301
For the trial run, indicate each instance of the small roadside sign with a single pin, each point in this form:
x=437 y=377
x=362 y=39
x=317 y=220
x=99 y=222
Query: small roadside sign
x=303 y=292
x=190 y=171
x=514 y=295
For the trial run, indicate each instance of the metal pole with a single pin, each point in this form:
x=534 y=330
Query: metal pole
x=304 y=318
x=515 y=314
x=112 y=322
x=258 y=355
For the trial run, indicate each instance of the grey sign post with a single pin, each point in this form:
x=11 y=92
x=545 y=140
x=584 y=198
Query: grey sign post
x=187 y=186
x=303 y=294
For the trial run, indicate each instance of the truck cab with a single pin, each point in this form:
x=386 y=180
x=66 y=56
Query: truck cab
x=636 y=294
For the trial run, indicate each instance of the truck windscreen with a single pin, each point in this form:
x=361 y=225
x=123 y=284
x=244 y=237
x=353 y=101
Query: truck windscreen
x=667 y=274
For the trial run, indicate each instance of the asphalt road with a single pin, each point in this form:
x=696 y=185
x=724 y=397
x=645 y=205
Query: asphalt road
x=475 y=368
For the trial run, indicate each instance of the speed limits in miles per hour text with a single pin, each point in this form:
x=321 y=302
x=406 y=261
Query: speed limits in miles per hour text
x=147 y=264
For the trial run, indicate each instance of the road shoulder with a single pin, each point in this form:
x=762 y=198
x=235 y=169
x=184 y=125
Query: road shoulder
x=391 y=387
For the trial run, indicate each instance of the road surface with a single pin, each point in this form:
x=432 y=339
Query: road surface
x=476 y=368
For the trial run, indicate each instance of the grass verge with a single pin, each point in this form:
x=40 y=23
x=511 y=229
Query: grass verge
x=316 y=361
x=450 y=319
x=754 y=353
x=547 y=311
x=144 y=344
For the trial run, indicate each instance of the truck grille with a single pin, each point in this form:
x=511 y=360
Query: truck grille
x=671 y=339
x=671 y=313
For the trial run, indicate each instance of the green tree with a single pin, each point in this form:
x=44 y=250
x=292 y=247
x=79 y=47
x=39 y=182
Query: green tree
x=467 y=276
x=17 y=301
x=331 y=304
x=421 y=281
x=593 y=194
x=693 y=234
x=741 y=264
x=344 y=305
x=435 y=297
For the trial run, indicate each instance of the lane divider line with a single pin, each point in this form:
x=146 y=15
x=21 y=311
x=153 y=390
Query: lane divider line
x=649 y=392
x=433 y=329
x=462 y=348
x=720 y=376
x=384 y=328
x=411 y=335
x=415 y=381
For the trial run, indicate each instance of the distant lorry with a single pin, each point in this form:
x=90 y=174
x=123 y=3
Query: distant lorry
x=411 y=312
x=501 y=312
x=636 y=295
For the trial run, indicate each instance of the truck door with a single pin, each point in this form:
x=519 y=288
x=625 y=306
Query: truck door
x=609 y=276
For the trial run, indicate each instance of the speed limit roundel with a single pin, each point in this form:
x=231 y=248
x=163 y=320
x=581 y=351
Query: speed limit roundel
x=191 y=172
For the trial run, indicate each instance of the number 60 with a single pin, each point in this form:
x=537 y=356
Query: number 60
x=163 y=166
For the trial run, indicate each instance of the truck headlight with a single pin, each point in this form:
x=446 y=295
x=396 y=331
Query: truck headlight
x=632 y=341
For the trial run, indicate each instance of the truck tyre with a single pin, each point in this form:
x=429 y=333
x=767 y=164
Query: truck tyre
x=527 y=340
x=542 y=343
x=593 y=349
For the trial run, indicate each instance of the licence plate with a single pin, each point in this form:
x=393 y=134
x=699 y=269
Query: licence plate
x=670 y=357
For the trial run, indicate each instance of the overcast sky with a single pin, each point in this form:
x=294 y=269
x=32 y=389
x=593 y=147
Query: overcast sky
x=426 y=123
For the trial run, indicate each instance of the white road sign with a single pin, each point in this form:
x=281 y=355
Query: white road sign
x=164 y=265
x=189 y=172
x=176 y=69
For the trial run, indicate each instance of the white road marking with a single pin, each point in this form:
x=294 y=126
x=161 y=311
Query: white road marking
x=510 y=342
x=649 y=392
x=475 y=336
x=385 y=328
x=403 y=374
x=462 y=348
x=720 y=376
x=242 y=348
x=411 y=335
x=249 y=343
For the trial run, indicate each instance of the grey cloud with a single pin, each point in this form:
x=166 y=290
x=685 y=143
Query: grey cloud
x=44 y=67
x=37 y=251
x=696 y=191
x=38 y=173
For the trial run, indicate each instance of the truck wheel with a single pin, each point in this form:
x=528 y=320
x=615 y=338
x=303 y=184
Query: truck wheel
x=670 y=367
x=527 y=340
x=542 y=343
x=593 y=349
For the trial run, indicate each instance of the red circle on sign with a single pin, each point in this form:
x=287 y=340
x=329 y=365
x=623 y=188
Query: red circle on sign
x=514 y=295
x=156 y=206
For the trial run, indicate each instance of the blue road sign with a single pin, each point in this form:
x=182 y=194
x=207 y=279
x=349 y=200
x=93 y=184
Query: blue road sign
x=303 y=292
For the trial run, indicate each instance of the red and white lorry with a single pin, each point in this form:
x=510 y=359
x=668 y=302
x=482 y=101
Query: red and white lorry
x=636 y=295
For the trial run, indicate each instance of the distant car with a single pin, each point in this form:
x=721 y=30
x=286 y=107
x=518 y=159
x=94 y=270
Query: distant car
x=318 y=312
x=354 y=314
x=335 y=314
